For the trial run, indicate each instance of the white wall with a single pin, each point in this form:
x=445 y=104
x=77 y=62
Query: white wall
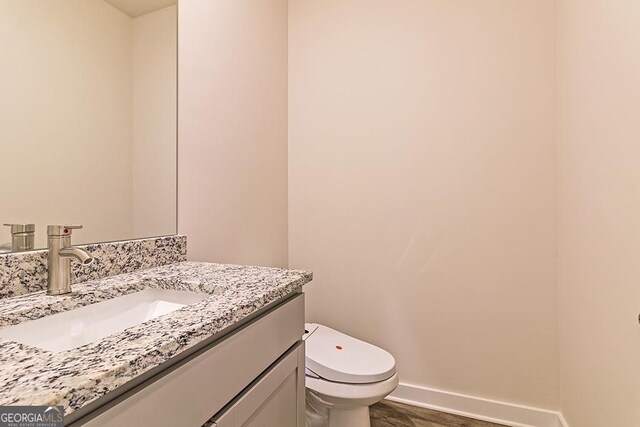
x=233 y=130
x=599 y=228
x=66 y=112
x=154 y=122
x=422 y=185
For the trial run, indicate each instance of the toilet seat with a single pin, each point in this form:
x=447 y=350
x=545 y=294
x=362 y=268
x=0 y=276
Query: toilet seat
x=337 y=357
x=334 y=394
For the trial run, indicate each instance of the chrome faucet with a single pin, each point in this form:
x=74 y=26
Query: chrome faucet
x=59 y=258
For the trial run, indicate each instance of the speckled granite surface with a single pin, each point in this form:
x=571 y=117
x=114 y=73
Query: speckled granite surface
x=26 y=272
x=31 y=376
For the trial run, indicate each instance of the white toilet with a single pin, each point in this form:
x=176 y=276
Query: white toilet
x=343 y=377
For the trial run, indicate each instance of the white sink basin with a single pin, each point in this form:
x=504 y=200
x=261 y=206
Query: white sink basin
x=74 y=328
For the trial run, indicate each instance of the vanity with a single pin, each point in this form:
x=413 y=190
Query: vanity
x=224 y=348
x=117 y=328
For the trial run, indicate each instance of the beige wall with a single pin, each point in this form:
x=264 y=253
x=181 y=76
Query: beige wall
x=599 y=193
x=233 y=130
x=154 y=122
x=65 y=137
x=422 y=185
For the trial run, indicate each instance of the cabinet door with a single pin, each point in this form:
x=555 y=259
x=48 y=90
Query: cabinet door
x=275 y=400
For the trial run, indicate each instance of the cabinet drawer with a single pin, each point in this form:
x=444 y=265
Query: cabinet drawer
x=191 y=393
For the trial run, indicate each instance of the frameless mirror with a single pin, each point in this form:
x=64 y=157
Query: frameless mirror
x=88 y=118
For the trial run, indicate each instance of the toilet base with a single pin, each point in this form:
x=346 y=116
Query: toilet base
x=319 y=414
x=331 y=404
x=356 y=417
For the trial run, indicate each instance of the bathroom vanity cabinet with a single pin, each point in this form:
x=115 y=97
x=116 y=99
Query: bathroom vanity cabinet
x=250 y=374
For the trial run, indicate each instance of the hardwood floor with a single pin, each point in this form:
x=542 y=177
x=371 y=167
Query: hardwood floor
x=392 y=414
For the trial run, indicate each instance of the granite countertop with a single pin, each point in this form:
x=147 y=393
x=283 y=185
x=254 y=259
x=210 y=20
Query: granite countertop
x=73 y=378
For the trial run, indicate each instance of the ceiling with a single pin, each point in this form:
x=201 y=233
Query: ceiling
x=135 y=8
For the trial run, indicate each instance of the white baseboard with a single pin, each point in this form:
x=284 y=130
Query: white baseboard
x=561 y=421
x=475 y=407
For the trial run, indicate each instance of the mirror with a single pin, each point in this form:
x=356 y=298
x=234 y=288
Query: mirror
x=88 y=118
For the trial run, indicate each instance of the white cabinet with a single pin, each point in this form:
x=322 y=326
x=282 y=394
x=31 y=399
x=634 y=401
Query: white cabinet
x=254 y=375
x=275 y=400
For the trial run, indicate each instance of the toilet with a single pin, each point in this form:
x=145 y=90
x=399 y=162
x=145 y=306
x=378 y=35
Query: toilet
x=344 y=375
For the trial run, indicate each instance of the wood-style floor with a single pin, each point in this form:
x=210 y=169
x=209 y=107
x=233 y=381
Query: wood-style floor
x=392 y=414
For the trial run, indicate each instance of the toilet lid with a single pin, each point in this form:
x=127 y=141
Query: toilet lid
x=337 y=357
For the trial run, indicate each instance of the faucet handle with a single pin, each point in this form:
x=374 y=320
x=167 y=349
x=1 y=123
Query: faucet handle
x=61 y=230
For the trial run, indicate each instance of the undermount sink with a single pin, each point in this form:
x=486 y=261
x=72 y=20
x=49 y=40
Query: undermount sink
x=74 y=328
